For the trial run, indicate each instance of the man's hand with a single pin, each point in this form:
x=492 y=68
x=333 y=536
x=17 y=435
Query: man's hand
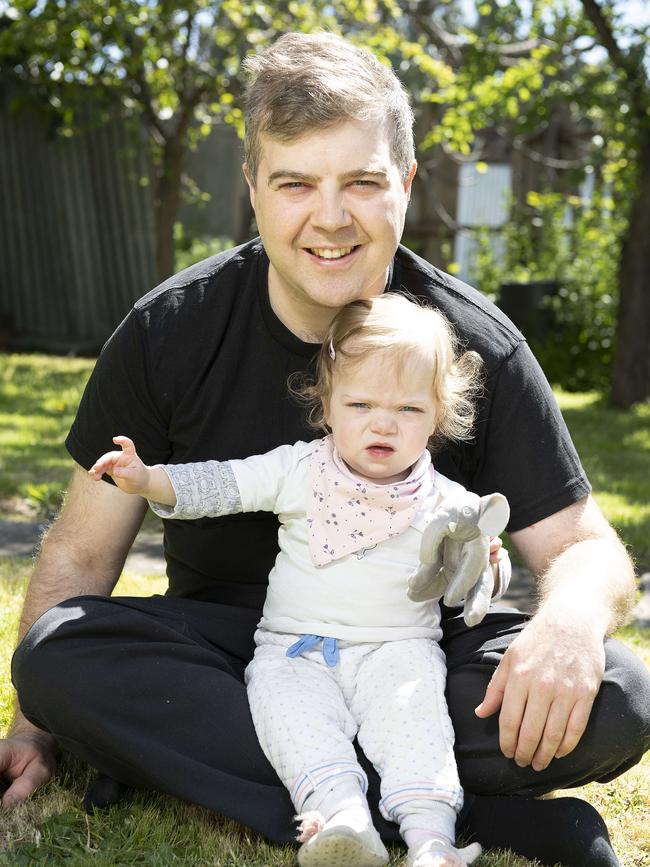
x=27 y=761
x=545 y=687
x=546 y=683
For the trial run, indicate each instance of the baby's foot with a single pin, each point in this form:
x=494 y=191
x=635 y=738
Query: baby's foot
x=439 y=853
x=348 y=839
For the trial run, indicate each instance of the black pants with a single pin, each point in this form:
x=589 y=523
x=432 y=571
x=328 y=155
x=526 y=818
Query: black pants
x=150 y=691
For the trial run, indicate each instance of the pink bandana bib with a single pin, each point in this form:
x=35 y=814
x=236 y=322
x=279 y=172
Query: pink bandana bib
x=347 y=514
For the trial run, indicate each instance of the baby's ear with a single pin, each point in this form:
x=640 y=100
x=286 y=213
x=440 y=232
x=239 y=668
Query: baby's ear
x=326 y=413
x=434 y=424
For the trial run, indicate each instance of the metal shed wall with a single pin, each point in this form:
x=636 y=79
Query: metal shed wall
x=76 y=230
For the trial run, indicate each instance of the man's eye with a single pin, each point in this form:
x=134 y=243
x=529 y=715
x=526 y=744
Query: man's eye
x=364 y=183
x=293 y=185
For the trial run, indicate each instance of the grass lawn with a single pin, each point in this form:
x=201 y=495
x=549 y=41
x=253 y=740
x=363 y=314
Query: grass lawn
x=38 y=396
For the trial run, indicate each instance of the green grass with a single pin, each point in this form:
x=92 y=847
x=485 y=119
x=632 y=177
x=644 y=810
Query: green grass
x=38 y=396
x=614 y=447
x=38 y=399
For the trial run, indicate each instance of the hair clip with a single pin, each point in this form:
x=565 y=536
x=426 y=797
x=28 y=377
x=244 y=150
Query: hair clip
x=331 y=351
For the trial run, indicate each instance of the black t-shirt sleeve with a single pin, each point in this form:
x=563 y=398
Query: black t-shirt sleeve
x=120 y=398
x=527 y=452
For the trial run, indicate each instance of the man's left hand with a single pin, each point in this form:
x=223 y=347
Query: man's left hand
x=544 y=687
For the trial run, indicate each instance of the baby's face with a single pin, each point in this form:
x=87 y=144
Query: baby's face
x=382 y=417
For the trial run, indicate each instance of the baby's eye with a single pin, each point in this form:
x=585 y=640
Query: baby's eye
x=357 y=404
x=411 y=409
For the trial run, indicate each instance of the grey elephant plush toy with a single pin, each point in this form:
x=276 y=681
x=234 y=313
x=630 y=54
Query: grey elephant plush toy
x=455 y=553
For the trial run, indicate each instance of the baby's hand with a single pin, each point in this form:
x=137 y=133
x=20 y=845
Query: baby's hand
x=496 y=550
x=438 y=854
x=124 y=467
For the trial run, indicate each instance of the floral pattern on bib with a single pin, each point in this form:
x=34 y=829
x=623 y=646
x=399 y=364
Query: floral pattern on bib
x=346 y=514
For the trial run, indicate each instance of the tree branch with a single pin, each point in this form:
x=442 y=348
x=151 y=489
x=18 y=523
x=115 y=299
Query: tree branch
x=605 y=33
x=189 y=28
x=143 y=95
x=632 y=72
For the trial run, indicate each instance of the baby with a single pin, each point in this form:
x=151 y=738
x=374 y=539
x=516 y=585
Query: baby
x=341 y=649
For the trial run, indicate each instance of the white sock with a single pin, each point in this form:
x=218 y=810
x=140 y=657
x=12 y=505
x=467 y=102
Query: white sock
x=341 y=797
x=416 y=838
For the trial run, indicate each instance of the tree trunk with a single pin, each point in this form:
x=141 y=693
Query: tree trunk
x=168 y=195
x=631 y=374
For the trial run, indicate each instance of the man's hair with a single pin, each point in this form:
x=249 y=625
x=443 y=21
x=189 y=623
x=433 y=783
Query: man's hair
x=391 y=327
x=305 y=82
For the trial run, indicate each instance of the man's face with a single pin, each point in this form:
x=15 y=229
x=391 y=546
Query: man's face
x=330 y=209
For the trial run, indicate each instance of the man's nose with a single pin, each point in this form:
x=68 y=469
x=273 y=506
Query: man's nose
x=331 y=212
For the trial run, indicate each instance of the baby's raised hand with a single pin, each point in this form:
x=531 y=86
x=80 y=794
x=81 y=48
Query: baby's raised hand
x=438 y=854
x=126 y=469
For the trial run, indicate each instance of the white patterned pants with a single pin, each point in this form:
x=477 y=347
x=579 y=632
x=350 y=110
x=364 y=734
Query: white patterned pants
x=390 y=695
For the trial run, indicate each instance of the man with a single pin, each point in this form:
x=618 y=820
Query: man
x=150 y=691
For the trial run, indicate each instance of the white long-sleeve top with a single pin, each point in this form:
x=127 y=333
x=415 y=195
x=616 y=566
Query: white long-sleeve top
x=359 y=597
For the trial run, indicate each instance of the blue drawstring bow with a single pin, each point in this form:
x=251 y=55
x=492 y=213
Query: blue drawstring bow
x=308 y=642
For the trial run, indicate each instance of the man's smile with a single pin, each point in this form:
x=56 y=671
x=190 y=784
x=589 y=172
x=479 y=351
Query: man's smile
x=332 y=254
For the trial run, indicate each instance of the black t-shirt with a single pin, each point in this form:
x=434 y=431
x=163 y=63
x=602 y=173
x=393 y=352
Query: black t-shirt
x=198 y=371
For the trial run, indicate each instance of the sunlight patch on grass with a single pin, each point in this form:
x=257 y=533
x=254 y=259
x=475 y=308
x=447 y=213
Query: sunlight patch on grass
x=140 y=585
x=13 y=581
x=38 y=399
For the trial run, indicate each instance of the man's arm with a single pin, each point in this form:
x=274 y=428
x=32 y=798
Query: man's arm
x=548 y=679
x=82 y=553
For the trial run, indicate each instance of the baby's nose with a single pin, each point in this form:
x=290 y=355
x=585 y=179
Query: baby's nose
x=383 y=422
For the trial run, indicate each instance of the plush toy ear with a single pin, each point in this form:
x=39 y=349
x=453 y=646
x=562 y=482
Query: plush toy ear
x=494 y=514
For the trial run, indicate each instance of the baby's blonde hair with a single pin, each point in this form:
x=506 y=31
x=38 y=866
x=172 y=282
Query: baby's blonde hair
x=397 y=328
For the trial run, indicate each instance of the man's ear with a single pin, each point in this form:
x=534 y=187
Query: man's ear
x=409 y=178
x=251 y=183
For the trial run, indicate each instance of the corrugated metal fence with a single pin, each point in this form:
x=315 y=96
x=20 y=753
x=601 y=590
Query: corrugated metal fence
x=76 y=230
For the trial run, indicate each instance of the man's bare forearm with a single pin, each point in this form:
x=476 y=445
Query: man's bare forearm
x=62 y=571
x=592 y=579
x=585 y=574
x=82 y=553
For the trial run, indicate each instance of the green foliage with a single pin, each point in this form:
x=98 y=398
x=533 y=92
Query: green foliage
x=176 y=65
x=574 y=243
x=191 y=250
x=45 y=499
x=518 y=70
